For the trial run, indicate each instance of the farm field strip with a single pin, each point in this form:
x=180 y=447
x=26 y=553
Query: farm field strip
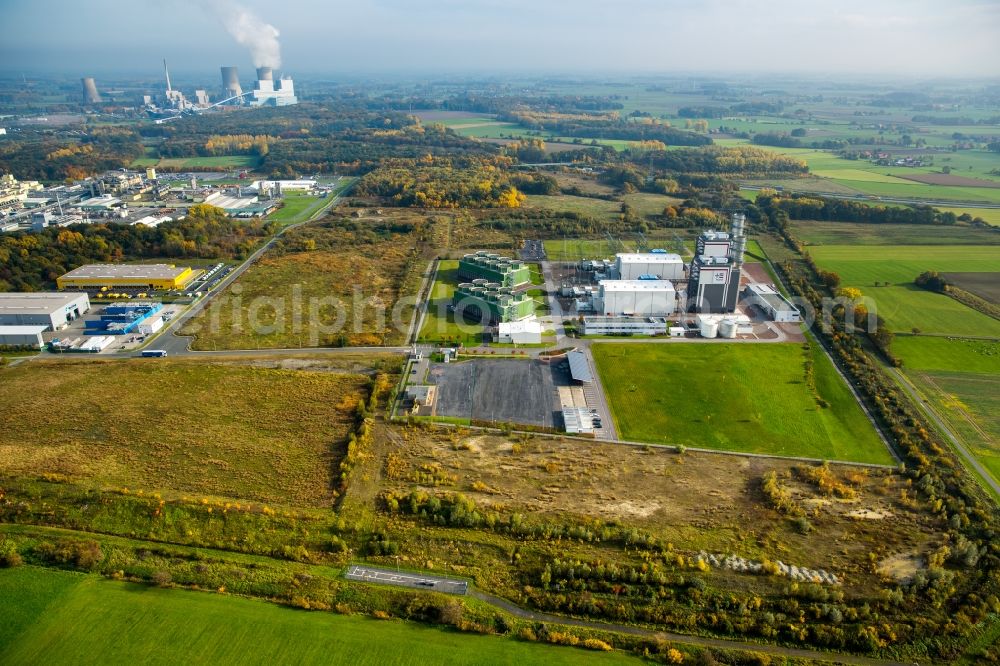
x=900 y=302
x=753 y=398
x=73 y=614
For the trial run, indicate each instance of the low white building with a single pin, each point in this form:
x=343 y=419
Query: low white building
x=151 y=325
x=577 y=421
x=284 y=185
x=22 y=336
x=650 y=298
x=524 y=332
x=624 y=326
x=770 y=300
x=664 y=265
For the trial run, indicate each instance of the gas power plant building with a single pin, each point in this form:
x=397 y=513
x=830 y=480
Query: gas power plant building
x=714 y=276
x=144 y=276
x=662 y=264
x=646 y=297
x=268 y=92
x=50 y=310
x=491 y=302
x=504 y=271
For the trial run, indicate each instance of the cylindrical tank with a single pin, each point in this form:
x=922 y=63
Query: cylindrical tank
x=231 y=82
x=265 y=74
x=90 y=95
x=727 y=329
x=709 y=328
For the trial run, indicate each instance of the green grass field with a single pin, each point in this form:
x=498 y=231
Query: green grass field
x=754 y=398
x=901 y=303
x=56 y=617
x=440 y=324
x=989 y=215
x=948 y=354
x=299 y=207
x=212 y=429
x=815 y=232
x=232 y=161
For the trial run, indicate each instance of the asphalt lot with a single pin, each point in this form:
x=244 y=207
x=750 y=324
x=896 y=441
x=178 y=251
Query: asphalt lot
x=501 y=390
x=367 y=574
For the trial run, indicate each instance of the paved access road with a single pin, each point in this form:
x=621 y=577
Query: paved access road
x=366 y=574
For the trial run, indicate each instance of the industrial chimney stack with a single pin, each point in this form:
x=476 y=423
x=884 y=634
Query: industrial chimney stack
x=90 y=95
x=231 y=83
x=265 y=74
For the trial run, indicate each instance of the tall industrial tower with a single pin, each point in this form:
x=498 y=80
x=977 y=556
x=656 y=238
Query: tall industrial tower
x=90 y=94
x=714 y=278
x=231 y=83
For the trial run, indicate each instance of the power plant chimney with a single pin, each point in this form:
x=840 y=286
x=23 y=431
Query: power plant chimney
x=265 y=74
x=167 y=72
x=231 y=83
x=739 y=241
x=90 y=94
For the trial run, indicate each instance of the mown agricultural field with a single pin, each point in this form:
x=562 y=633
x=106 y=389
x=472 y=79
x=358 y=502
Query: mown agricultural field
x=232 y=161
x=59 y=617
x=335 y=282
x=298 y=207
x=815 y=232
x=961 y=378
x=887 y=274
x=780 y=399
x=213 y=429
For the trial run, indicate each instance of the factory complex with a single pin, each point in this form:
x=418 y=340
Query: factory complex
x=164 y=277
x=491 y=303
x=503 y=271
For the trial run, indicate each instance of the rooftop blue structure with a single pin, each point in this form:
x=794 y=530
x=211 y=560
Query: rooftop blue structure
x=121 y=319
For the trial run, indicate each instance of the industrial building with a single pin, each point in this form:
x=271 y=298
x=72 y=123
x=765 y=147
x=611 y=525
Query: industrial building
x=636 y=298
x=126 y=318
x=152 y=276
x=491 y=303
x=723 y=325
x=624 y=326
x=13 y=192
x=505 y=271
x=268 y=92
x=277 y=187
x=22 y=336
x=660 y=263
x=770 y=300
x=524 y=332
x=714 y=278
x=577 y=421
x=51 y=310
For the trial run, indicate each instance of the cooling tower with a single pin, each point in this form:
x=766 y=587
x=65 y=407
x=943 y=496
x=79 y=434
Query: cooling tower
x=90 y=95
x=265 y=74
x=231 y=82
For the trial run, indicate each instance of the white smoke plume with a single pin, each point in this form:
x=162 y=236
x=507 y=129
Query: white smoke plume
x=251 y=31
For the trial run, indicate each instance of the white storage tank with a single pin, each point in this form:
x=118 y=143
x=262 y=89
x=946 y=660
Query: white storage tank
x=709 y=328
x=727 y=329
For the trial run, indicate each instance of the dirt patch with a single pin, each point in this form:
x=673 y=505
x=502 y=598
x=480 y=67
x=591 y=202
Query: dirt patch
x=983 y=285
x=869 y=514
x=901 y=567
x=950 y=179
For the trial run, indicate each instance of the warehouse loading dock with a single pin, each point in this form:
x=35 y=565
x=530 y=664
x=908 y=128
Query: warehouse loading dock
x=165 y=277
x=49 y=309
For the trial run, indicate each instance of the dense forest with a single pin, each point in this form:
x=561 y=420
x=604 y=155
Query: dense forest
x=32 y=261
x=807 y=207
x=433 y=183
x=745 y=161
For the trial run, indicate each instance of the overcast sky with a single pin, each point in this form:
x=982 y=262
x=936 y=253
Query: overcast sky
x=918 y=38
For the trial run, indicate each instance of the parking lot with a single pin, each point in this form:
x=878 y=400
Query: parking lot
x=521 y=391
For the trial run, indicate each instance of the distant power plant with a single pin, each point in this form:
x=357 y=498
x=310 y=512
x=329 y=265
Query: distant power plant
x=231 y=83
x=90 y=94
x=268 y=92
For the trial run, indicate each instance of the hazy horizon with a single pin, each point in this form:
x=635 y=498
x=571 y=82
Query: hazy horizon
x=914 y=40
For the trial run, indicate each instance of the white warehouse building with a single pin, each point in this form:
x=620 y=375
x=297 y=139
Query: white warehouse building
x=524 y=332
x=22 y=336
x=770 y=300
x=648 y=298
x=663 y=265
x=48 y=309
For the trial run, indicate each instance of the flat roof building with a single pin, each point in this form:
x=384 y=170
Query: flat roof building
x=624 y=326
x=770 y=300
x=505 y=271
x=525 y=332
x=153 y=276
x=22 y=336
x=48 y=309
x=636 y=297
x=664 y=265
